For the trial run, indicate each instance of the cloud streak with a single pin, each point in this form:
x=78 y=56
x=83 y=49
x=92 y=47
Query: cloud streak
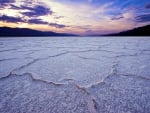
x=57 y=25
x=37 y=21
x=5 y=2
x=147 y=6
x=10 y=19
x=36 y=11
x=143 y=18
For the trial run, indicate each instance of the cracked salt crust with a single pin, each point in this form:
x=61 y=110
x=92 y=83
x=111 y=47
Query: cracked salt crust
x=75 y=75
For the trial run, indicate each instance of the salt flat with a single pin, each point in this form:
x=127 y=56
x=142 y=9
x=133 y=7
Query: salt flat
x=75 y=75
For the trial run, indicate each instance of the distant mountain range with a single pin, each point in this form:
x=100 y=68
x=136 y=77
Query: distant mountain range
x=14 y=32
x=25 y=32
x=141 y=31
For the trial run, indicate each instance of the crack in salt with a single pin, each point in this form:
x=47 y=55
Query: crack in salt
x=38 y=59
x=92 y=105
x=127 y=55
x=91 y=102
x=32 y=78
x=113 y=70
x=1 y=60
x=130 y=75
x=23 y=66
x=86 y=58
x=99 y=50
x=7 y=50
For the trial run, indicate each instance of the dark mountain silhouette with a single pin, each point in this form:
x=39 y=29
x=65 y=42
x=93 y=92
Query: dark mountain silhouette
x=141 y=31
x=14 y=32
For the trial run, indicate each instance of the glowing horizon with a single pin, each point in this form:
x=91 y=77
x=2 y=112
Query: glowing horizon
x=83 y=17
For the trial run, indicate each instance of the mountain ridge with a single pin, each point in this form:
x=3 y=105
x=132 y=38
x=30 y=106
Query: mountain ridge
x=139 y=31
x=25 y=32
x=14 y=32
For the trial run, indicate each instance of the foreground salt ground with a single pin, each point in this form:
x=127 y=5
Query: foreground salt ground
x=75 y=75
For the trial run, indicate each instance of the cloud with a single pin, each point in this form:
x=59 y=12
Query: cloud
x=57 y=25
x=59 y=17
x=117 y=18
x=36 y=11
x=78 y=16
x=11 y=19
x=5 y=2
x=147 y=6
x=37 y=21
x=14 y=7
x=22 y=7
x=143 y=18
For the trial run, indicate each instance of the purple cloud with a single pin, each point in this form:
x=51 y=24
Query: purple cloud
x=117 y=18
x=57 y=25
x=11 y=19
x=36 y=11
x=143 y=18
x=14 y=7
x=147 y=6
x=3 y=2
x=37 y=21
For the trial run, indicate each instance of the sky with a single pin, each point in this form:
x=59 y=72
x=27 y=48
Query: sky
x=82 y=17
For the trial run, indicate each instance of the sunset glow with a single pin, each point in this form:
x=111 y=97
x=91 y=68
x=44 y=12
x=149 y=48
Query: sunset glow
x=83 y=17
